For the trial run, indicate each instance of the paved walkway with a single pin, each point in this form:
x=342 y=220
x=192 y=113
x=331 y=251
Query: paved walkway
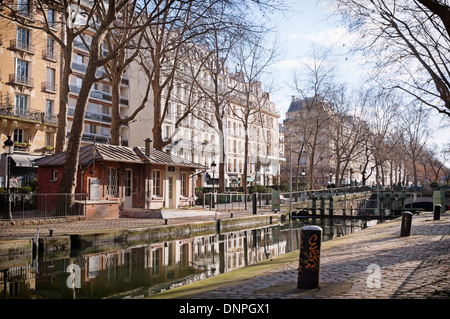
x=372 y=263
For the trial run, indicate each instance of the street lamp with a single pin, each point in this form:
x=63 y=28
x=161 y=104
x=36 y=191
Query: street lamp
x=303 y=175
x=213 y=167
x=9 y=150
x=331 y=176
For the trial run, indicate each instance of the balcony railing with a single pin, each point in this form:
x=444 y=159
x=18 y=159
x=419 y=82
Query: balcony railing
x=28 y=114
x=21 y=45
x=48 y=87
x=21 y=80
x=91 y=115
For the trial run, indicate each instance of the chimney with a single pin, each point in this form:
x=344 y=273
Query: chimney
x=148 y=146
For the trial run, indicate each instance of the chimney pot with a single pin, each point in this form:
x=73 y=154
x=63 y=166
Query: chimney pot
x=148 y=146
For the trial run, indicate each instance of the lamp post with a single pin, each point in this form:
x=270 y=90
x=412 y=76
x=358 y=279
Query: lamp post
x=331 y=176
x=9 y=150
x=303 y=175
x=213 y=167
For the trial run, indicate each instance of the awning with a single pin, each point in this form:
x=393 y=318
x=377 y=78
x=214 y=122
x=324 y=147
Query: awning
x=24 y=160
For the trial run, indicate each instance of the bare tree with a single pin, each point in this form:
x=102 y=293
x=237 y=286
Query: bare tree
x=414 y=131
x=315 y=84
x=382 y=112
x=408 y=42
x=345 y=129
x=106 y=16
x=252 y=59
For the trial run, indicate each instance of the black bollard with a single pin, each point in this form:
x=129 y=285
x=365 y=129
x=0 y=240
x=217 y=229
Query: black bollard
x=406 y=224
x=254 y=204
x=309 y=257
x=437 y=211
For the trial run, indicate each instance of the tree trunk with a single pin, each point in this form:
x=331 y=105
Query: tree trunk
x=66 y=60
x=69 y=178
x=116 y=125
x=222 y=159
x=244 y=182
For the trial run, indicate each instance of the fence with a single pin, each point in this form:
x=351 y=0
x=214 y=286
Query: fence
x=227 y=201
x=16 y=206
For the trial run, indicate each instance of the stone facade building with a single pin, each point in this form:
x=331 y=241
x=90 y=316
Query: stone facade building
x=29 y=77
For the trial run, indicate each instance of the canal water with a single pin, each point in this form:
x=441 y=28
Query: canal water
x=143 y=270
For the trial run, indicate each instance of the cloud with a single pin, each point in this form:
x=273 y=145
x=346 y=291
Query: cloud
x=330 y=37
x=288 y=64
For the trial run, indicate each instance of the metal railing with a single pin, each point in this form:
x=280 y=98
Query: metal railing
x=230 y=201
x=18 y=206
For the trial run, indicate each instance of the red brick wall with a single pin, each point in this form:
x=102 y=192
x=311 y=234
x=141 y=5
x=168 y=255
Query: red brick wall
x=102 y=210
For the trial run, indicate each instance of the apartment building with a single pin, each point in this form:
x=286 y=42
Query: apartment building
x=197 y=138
x=311 y=125
x=97 y=123
x=263 y=133
x=29 y=75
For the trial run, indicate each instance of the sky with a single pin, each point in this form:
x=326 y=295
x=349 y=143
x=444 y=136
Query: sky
x=308 y=23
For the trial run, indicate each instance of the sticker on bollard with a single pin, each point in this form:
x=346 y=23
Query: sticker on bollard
x=309 y=257
x=437 y=212
x=406 y=224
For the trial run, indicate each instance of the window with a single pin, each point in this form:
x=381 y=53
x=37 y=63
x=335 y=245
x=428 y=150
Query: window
x=51 y=79
x=22 y=71
x=167 y=131
x=48 y=139
x=79 y=58
x=128 y=182
x=23 y=7
x=90 y=128
x=105 y=131
x=21 y=106
x=157 y=182
x=79 y=81
x=111 y=182
x=51 y=18
x=49 y=107
x=19 y=135
x=106 y=109
x=54 y=175
x=184 y=184
x=51 y=48
x=23 y=38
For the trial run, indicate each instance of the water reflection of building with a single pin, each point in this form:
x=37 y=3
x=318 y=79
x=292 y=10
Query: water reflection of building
x=149 y=268
x=17 y=282
x=164 y=265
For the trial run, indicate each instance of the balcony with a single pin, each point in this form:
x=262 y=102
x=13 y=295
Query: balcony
x=81 y=68
x=28 y=114
x=92 y=116
x=124 y=101
x=49 y=55
x=15 y=79
x=21 y=46
x=48 y=87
